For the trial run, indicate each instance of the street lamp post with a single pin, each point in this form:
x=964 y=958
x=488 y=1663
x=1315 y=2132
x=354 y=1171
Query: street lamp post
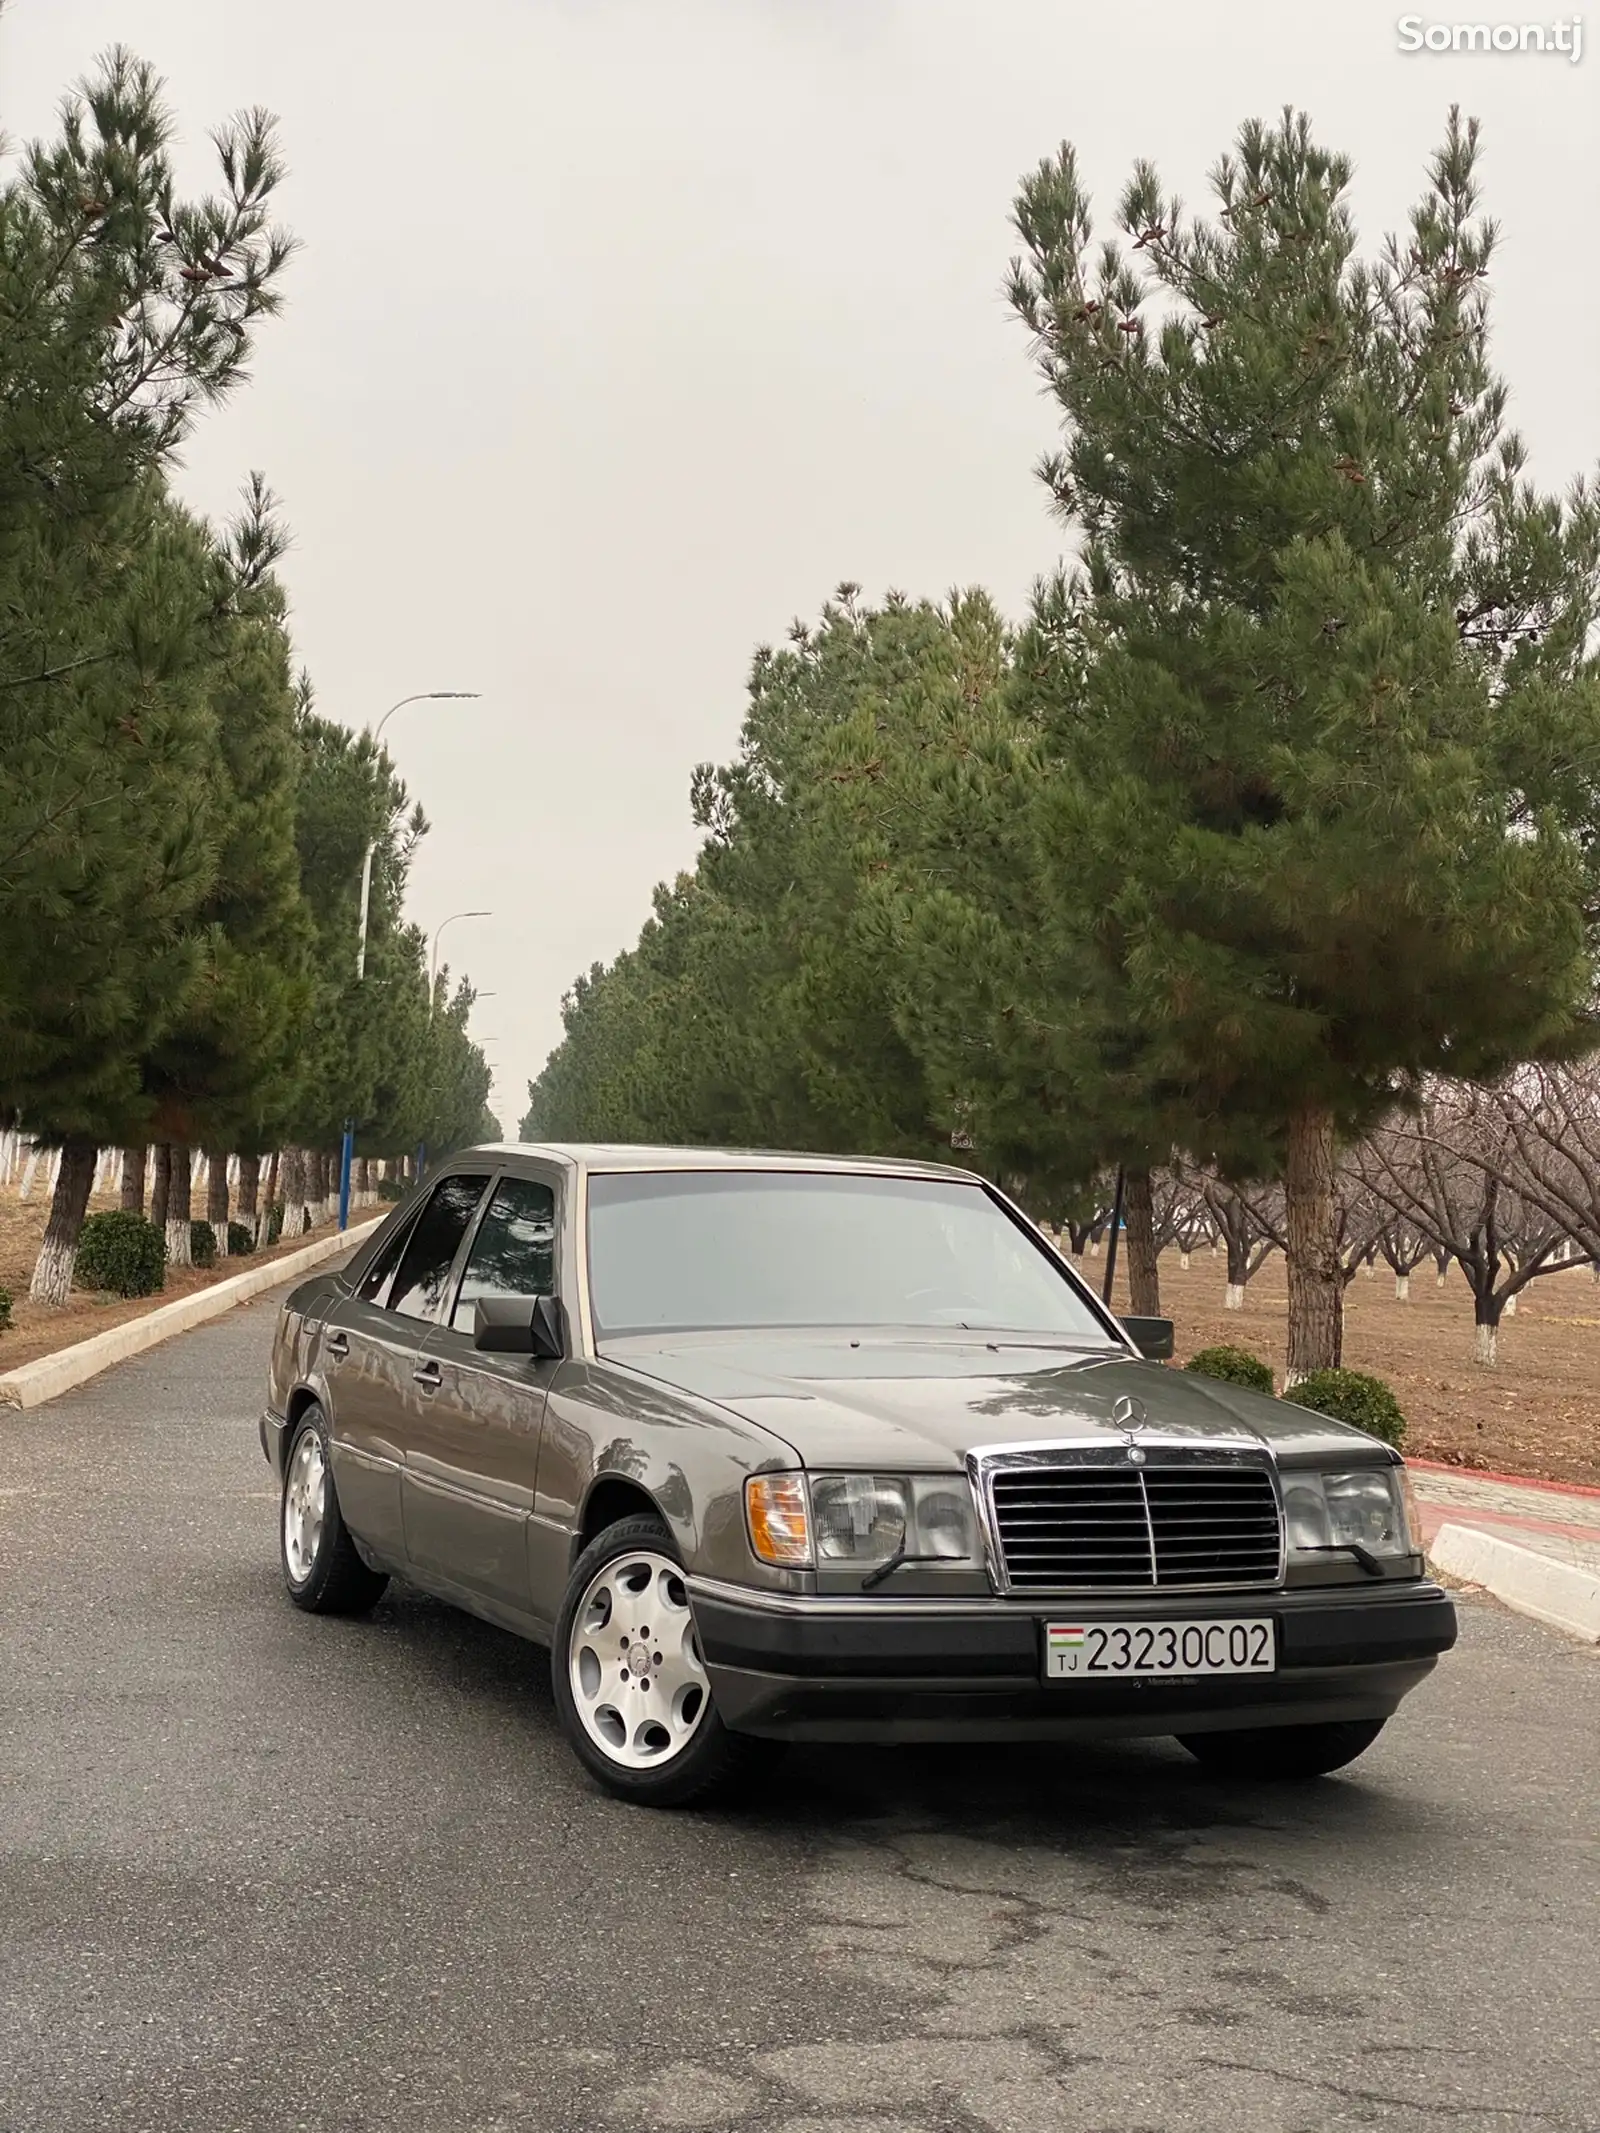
x=423 y=696
x=433 y=966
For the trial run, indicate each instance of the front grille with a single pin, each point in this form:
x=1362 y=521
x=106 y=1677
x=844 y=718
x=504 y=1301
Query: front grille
x=1102 y=1528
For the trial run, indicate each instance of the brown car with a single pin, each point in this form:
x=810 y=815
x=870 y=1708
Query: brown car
x=786 y=1447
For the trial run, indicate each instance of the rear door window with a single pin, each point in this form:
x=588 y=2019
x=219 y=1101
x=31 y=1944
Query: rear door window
x=430 y=1252
x=514 y=1252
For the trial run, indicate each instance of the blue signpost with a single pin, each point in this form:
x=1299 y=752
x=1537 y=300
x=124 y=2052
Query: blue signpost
x=346 y=1154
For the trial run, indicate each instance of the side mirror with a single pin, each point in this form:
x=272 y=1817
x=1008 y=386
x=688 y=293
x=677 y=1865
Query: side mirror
x=520 y=1325
x=1151 y=1336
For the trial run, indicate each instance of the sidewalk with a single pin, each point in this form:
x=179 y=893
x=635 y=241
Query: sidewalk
x=1534 y=1544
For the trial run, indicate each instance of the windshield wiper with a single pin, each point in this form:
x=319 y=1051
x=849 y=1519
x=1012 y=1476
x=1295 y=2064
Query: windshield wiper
x=877 y=1577
x=1364 y=1556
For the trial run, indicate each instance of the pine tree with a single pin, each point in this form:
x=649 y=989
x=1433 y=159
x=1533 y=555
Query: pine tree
x=123 y=310
x=1328 y=805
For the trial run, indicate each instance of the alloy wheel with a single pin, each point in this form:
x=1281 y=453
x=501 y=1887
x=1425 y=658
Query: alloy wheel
x=305 y=1506
x=638 y=1681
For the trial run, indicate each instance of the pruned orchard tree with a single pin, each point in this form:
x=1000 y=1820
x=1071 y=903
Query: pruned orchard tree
x=1551 y=1118
x=1451 y=1171
x=1249 y=1220
x=1327 y=822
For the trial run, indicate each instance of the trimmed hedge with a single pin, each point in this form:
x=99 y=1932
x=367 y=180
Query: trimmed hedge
x=240 y=1241
x=392 y=1188
x=122 y=1254
x=5 y=1309
x=1352 y=1396
x=202 y=1244
x=1235 y=1366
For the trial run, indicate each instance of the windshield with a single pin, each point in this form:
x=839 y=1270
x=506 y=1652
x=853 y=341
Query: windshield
x=706 y=1250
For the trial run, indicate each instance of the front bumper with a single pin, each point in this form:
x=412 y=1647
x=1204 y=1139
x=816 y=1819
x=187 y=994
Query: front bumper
x=927 y=1670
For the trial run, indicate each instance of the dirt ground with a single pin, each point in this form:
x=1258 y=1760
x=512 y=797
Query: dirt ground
x=37 y=1329
x=1536 y=1412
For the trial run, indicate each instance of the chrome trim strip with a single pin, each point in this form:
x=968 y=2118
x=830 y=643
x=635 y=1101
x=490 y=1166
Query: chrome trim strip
x=580 y=1259
x=844 y=1606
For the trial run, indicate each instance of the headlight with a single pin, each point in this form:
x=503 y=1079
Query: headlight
x=860 y=1520
x=1362 y=1509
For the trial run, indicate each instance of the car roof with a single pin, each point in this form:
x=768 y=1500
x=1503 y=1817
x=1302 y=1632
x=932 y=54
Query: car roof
x=629 y=1155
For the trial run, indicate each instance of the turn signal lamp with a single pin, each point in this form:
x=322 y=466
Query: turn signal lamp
x=775 y=1512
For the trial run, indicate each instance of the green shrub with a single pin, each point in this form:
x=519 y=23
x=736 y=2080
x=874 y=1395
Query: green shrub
x=274 y=1225
x=202 y=1244
x=1352 y=1396
x=122 y=1254
x=5 y=1309
x=391 y=1188
x=1235 y=1366
x=240 y=1240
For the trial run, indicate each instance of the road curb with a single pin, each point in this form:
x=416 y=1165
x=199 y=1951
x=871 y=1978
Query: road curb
x=1512 y=1481
x=1558 y=1593
x=31 y=1384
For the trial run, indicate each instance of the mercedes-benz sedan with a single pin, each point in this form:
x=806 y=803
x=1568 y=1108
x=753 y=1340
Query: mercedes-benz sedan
x=785 y=1447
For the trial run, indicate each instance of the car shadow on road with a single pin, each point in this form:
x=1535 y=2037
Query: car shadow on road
x=1104 y=1796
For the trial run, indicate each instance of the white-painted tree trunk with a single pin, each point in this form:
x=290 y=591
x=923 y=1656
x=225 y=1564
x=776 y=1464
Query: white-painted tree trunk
x=1485 y=1346
x=69 y=1200
x=1441 y=1277
x=1402 y=1288
x=1370 y=1268
x=1183 y=1261
x=179 y=1252
x=29 y=1168
x=1509 y=1308
x=1234 y=1300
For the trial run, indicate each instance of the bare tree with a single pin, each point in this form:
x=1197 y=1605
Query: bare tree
x=1452 y=1172
x=1249 y=1220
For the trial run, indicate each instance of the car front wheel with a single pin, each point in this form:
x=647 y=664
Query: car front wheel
x=1276 y=1753
x=321 y=1569
x=630 y=1686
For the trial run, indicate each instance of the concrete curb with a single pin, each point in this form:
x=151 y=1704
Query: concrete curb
x=31 y=1384
x=1558 y=1593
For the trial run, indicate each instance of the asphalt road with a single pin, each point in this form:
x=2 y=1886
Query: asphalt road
x=259 y=1871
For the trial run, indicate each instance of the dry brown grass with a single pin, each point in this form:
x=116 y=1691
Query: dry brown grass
x=39 y=1329
x=1537 y=1412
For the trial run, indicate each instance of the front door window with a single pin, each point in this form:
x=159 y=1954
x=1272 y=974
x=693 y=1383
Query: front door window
x=514 y=1252
x=430 y=1252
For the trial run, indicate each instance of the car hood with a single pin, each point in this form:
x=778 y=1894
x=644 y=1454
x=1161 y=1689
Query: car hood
x=913 y=1402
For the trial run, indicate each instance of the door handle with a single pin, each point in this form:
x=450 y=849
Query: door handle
x=428 y=1374
x=338 y=1345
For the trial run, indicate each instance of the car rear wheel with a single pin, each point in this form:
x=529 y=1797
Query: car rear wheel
x=631 y=1688
x=1275 y=1753
x=321 y=1568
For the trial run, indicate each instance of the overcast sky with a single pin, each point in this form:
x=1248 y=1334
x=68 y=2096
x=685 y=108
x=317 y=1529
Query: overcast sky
x=625 y=329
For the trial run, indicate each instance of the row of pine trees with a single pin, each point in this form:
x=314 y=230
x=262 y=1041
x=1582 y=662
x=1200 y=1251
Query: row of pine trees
x=1280 y=802
x=181 y=834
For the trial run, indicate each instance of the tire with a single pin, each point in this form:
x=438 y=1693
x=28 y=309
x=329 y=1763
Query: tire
x=321 y=1570
x=1276 y=1754
x=605 y=1670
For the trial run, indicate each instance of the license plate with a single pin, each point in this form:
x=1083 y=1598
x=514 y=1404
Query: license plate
x=1108 y=1651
